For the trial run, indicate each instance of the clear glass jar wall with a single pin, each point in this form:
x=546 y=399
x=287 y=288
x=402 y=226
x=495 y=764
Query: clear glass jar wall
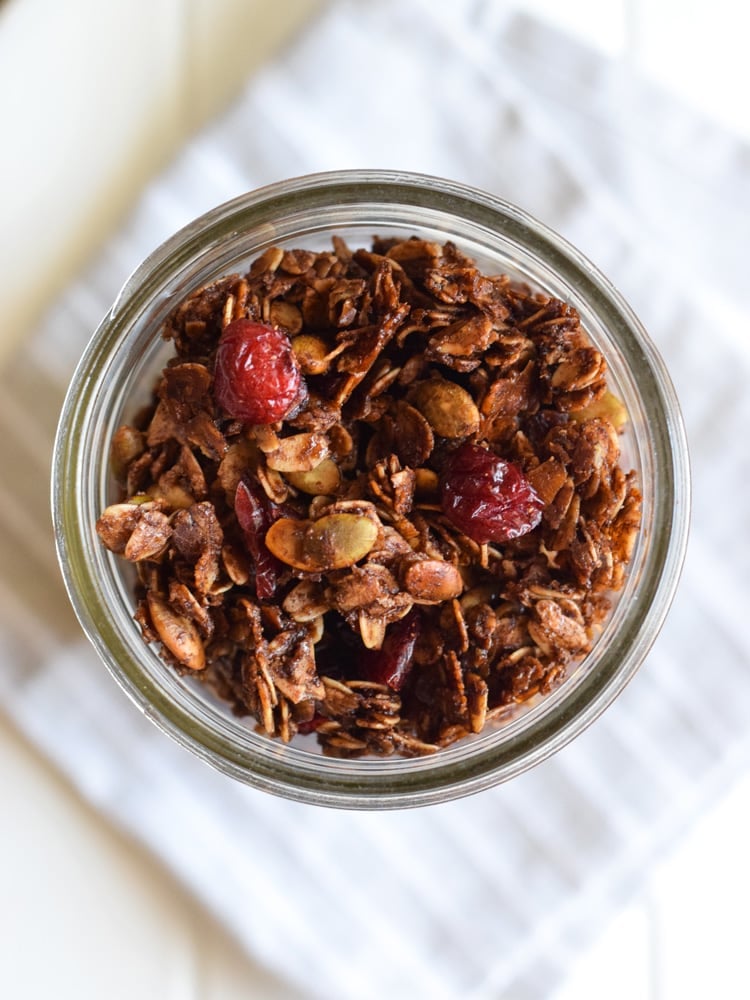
x=116 y=376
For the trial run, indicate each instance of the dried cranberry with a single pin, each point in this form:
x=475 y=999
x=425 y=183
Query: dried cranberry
x=392 y=663
x=256 y=376
x=305 y=728
x=539 y=424
x=255 y=514
x=489 y=499
x=339 y=652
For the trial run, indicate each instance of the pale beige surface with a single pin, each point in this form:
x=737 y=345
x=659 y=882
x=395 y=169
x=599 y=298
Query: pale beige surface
x=87 y=915
x=96 y=97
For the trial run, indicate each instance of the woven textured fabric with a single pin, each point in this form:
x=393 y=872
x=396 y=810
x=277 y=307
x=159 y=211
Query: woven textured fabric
x=489 y=896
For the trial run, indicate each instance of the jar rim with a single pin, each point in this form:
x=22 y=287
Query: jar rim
x=387 y=783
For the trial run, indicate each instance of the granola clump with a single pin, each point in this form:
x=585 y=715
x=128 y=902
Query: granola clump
x=346 y=568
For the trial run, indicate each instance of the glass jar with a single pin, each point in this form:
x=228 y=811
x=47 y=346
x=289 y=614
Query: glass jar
x=116 y=376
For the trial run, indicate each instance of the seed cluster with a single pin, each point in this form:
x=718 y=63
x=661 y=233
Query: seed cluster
x=424 y=523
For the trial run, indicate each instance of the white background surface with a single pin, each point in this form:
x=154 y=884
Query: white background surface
x=96 y=97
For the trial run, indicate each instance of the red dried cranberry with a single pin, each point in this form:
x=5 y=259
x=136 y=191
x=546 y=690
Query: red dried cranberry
x=392 y=663
x=305 y=728
x=255 y=514
x=489 y=499
x=539 y=424
x=339 y=652
x=256 y=376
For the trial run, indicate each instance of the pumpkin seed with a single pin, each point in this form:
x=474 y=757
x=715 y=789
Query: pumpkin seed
x=311 y=353
x=448 y=408
x=178 y=634
x=127 y=445
x=324 y=479
x=333 y=542
x=609 y=407
x=426 y=483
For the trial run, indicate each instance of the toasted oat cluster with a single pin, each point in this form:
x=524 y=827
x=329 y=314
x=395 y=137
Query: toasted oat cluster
x=377 y=495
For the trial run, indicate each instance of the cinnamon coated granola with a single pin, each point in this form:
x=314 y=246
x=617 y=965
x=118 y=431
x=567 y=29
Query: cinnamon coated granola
x=377 y=496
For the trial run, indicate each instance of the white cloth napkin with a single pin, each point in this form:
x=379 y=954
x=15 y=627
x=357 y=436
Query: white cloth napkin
x=489 y=896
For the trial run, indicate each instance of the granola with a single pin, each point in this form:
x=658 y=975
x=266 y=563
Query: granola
x=414 y=521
